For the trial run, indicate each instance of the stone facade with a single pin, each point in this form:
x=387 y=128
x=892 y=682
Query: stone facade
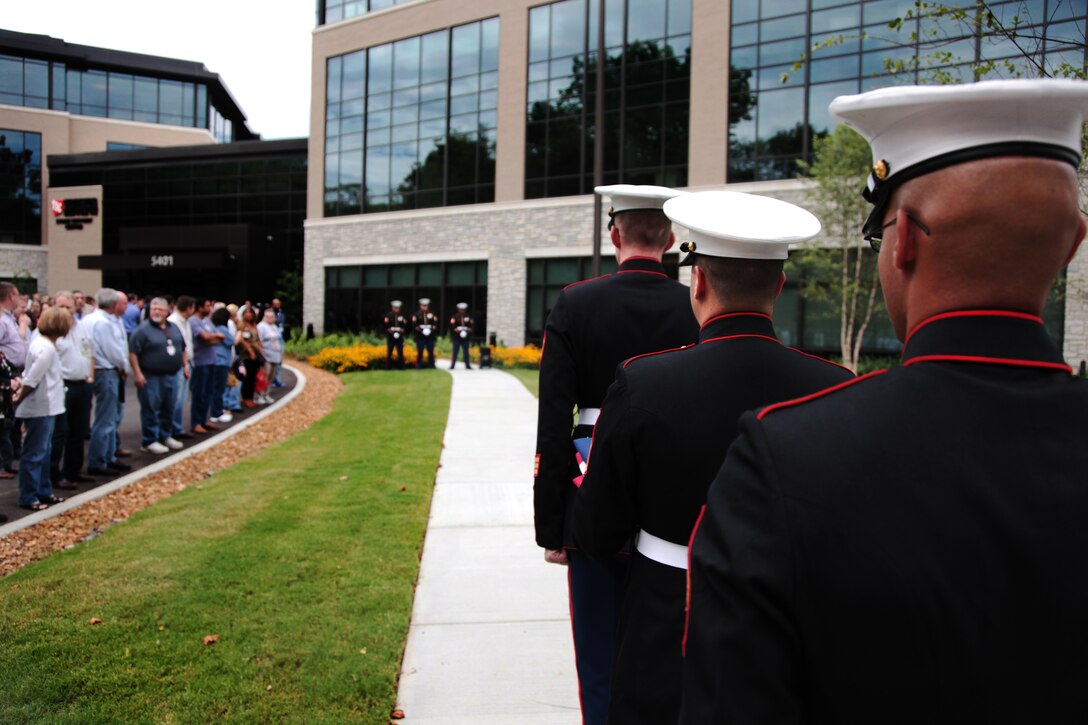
x=19 y=260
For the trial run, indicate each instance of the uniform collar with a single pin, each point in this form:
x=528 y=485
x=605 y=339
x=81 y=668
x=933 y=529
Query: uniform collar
x=642 y=264
x=736 y=324
x=999 y=337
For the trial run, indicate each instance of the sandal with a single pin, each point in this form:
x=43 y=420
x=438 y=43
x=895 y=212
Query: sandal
x=36 y=506
x=50 y=500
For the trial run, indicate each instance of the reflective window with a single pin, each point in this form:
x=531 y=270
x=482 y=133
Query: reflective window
x=357 y=297
x=20 y=187
x=107 y=94
x=775 y=111
x=337 y=10
x=647 y=89
x=411 y=124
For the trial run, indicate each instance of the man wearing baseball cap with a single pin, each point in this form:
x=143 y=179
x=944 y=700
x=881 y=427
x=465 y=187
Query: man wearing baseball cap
x=910 y=547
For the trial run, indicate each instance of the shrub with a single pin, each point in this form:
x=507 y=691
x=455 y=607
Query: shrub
x=370 y=356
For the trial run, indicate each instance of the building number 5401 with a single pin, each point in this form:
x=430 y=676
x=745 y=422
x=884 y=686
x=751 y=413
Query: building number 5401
x=162 y=260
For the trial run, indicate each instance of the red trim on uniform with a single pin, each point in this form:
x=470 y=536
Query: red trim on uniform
x=823 y=359
x=733 y=337
x=734 y=314
x=643 y=257
x=543 y=342
x=641 y=271
x=797 y=401
x=583 y=281
x=991 y=360
x=570 y=606
x=536 y=466
x=972 y=313
x=687 y=599
x=649 y=354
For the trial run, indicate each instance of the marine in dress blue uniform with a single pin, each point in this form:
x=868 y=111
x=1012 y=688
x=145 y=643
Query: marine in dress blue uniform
x=425 y=324
x=594 y=326
x=910 y=547
x=461 y=325
x=669 y=418
x=396 y=325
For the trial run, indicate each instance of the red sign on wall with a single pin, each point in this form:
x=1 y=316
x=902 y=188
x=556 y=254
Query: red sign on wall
x=58 y=207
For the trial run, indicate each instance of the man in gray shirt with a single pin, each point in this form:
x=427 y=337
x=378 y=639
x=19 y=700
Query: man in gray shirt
x=13 y=345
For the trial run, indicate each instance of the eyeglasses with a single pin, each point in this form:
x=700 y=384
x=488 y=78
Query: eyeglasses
x=875 y=238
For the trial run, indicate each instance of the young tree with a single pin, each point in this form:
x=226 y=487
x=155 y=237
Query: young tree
x=837 y=268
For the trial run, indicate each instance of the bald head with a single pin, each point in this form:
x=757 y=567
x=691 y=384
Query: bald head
x=1000 y=231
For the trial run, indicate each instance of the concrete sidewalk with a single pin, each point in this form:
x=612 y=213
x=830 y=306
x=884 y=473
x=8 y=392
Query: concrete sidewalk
x=490 y=638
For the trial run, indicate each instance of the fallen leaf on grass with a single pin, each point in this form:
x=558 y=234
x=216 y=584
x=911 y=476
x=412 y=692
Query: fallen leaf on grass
x=96 y=620
x=397 y=714
x=269 y=688
x=162 y=628
x=343 y=478
x=362 y=651
x=403 y=488
x=211 y=639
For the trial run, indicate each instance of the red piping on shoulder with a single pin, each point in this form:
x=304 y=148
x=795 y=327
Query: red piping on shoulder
x=823 y=359
x=583 y=281
x=972 y=313
x=734 y=337
x=658 y=352
x=735 y=314
x=687 y=598
x=644 y=258
x=641 y=271
x=798 y=401
x=991 y=360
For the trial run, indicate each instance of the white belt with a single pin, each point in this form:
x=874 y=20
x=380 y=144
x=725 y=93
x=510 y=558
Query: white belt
x=588 y=416
x=661 y=551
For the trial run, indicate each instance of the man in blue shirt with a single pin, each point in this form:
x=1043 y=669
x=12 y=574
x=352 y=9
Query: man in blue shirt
x=110 y=371
x=205 y=340
x=131 y=317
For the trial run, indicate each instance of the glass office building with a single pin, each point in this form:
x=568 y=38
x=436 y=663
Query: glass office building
x=424 y=158
x=20 y=187
x=857 y=52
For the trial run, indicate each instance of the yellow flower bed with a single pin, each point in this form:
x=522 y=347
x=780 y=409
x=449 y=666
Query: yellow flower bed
x=372 y=357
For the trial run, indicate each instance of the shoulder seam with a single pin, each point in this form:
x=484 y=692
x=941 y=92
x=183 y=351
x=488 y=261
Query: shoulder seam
x=583 y=281
x=628 y=361
x=822 y=359
x=815 y=396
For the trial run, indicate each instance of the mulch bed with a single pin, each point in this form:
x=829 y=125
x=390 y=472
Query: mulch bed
x=66 y=530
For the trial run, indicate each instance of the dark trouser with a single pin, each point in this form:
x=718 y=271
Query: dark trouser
x=596 y=596
x=424 y=343
x=200 y=384
x=249 y=384
x=219 y=386
x=70 y=430
x=34 y=464
x=390 y=346
x=156 y=408
x=459 y=343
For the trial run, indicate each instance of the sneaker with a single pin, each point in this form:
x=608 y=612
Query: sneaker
x=264 y=400
x=173 y=444
x=225 y=418
x=155 y=447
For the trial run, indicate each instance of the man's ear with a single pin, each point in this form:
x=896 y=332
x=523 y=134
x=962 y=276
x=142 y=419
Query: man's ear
x=905 y=248
x=672 y=241
x=698 y=283
x=781 y=284
x=615 y=235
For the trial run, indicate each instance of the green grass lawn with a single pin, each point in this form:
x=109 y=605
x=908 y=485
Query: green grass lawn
x=529 y=378
x=306 y=578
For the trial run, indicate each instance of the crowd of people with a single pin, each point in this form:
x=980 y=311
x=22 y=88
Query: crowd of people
x=66 y=360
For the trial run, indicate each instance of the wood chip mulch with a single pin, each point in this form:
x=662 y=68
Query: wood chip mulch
x=89 y=520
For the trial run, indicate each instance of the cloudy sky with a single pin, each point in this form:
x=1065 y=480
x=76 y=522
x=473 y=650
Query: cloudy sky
x=260 y=48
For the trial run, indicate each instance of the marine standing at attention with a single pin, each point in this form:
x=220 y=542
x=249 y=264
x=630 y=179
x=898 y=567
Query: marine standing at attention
x=669 y=418
x=425 y=324
x=594 y=326
x=461 y=332
x=395 y=325
x=910 y=547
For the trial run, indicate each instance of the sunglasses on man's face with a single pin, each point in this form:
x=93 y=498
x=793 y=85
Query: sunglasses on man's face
x=876 y=237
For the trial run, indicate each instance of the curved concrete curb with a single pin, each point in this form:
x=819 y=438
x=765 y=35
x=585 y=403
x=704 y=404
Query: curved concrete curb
x=127 y=480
